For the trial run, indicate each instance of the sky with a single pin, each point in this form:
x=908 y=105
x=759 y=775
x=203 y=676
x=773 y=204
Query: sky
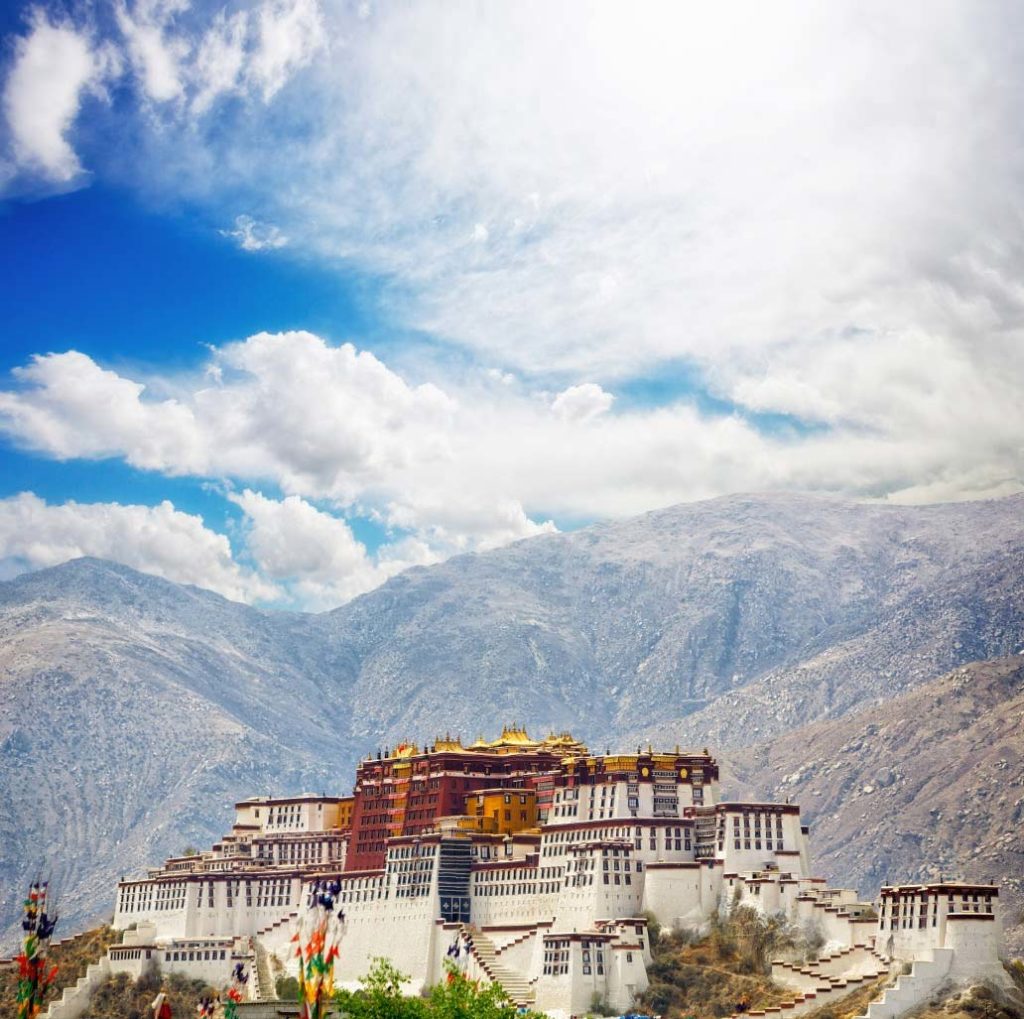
x=296 y=294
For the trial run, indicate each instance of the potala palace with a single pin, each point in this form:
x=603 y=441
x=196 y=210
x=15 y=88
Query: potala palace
x=544 y=861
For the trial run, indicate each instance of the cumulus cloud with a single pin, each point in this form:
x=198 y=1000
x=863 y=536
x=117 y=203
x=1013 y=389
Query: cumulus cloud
x=54 y=64
x=486 y=463
x=581 y=403
x=155 y=539
x=253 y=236
x=313 y=555
x=73 y=408
x=319 y=421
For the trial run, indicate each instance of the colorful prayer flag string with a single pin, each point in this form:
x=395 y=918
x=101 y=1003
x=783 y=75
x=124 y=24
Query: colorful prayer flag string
x=318 y=936
x=235 y=992
x=34 y=974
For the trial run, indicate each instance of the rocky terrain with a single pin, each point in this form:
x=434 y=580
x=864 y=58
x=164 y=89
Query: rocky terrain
x=929 y=784
x=730 y=620
x=134 y=711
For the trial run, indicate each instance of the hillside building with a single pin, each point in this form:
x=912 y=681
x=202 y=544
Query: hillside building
x=541 y=857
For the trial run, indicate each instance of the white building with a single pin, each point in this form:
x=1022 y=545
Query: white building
x=555 y=913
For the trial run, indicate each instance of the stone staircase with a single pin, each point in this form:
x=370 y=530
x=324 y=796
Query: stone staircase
x=914 y=988
x=264 y=987
x=75 y=999
x=276 y=925
x=856 y=963
x=515 y=985
x=823 y=981
x=500 y=950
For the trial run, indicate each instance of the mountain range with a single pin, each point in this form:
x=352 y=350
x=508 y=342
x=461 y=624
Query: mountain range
x=134 y=711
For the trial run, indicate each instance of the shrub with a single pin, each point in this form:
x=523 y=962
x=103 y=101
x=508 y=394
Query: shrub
x=287 y=988
x=1016 y=971
x=653 y=928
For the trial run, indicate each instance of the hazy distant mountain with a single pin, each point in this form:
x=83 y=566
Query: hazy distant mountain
x=134 y=711
x=930 y=783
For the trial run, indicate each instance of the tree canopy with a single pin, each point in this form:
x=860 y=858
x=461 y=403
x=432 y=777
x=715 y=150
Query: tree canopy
x=456 y=997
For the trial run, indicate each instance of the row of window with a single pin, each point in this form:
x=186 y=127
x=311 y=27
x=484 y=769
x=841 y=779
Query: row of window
x=210 y=954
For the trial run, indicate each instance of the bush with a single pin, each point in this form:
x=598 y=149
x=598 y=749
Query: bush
x=1016 y=971
x=707 y=977
x=812 y=941
x=660 y=996
x=287 y=988
x=653 y=928
x=122 y=998
x=149 y=983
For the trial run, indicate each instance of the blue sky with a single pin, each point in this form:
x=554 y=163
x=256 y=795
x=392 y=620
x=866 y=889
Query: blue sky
x=295 y=294
x=97 y=271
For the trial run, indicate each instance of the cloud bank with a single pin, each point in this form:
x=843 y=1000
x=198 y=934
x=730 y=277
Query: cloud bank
x=159 y=540
x=673 y=253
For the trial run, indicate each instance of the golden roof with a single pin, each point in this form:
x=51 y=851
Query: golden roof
x=514 y=736
x=513 y=739
x=448 y=744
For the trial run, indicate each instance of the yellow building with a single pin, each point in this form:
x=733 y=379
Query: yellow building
x=502 y=811
x=345 y=807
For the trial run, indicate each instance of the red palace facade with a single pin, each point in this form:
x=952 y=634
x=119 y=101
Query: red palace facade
x=405 y=791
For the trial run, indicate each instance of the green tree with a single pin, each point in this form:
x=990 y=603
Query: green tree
x=459 y=998
x=380 y=997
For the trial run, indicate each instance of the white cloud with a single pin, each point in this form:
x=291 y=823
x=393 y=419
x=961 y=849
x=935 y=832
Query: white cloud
x=53 y=65
x=72 y=408
x=155 y=539
x=156 y=53
x=320 y=421
x=488 y=463
x=814 y=213
x=751 y=192
x=290 y=34
x=220 y=59
x=253 y=236
x=181 y=59
x=581 y=403
x=313 y=555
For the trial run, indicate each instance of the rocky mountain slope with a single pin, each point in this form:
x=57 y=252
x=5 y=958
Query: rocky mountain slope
x=134 y=711
x=743 y=616
x=930 y=783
